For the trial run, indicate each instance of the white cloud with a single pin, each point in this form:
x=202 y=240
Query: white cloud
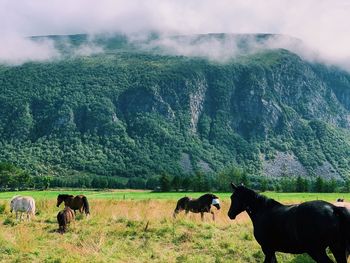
x=16 y=50
x=321 y=24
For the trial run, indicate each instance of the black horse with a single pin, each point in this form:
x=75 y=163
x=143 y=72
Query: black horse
x=309 y=227
x=199 y=205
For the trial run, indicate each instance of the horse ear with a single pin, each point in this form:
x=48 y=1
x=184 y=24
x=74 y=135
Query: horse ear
x=234 y=187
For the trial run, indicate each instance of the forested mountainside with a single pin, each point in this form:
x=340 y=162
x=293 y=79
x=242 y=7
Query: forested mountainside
x=128 y=111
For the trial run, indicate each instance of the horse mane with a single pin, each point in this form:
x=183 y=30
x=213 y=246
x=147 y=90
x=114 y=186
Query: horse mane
x=259 y=198
x=65 y=195
x=207 y=196
x=16 y=196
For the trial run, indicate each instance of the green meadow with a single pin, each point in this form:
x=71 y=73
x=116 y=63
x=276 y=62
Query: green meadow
x=135 y=226
x=145 y=195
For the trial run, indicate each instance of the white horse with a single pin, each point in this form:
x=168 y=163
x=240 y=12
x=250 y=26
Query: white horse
x=23 y=204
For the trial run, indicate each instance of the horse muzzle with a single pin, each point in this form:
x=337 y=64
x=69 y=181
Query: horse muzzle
x=217 y=206
x=231 y=216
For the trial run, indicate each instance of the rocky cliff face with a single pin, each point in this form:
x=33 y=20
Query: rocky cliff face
x=138 y=113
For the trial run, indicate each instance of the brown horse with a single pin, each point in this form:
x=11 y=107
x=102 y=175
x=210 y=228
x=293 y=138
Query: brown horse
x=78 y=202
x=198 y=205
x=64 y=217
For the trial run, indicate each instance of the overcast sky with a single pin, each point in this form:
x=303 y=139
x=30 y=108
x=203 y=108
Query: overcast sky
x=321 y=24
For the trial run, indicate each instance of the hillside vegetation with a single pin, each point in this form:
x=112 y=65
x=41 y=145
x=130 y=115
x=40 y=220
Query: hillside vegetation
x=130 y=112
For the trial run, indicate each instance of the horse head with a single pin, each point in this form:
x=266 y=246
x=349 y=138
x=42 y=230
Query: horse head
x=63 y=198
x=59 y=200
x=12 y=203
x=239 y=200
x=215 y=201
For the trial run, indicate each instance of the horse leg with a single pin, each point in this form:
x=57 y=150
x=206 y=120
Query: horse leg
x=270 y=256
x=213 y=215
x=16 y=215
x=175 y=213
x=339 y=253
x=320 y=256
x=202 y=216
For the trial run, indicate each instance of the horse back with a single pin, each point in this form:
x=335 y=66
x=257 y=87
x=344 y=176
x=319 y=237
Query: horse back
x=182 y=203
x=295 y=228
x=64 y=217
x=77 y=202
x=24 y=204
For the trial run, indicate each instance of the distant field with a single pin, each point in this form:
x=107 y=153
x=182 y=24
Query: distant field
x=145 y=195
x=137 y=229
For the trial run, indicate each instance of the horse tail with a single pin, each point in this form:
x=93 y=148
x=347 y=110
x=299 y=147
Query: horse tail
x=181 y=205
x=86 y=206
x=344 y=216
x=30 y=203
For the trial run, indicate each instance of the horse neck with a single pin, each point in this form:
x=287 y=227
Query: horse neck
x=68 y=201
x=258 y=204
x=207 y=199
x=202 y=200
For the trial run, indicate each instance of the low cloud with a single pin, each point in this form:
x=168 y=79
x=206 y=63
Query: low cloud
x=88 y=50
x=211 y=47
x=322 y=25
x=16 y=50
x=224 y=47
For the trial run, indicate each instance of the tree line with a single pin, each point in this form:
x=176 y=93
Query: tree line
x=15 y=178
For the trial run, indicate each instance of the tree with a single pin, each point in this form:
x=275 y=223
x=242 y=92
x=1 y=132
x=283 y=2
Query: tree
x=176 y=183
x=23 y=180
x=287 y=185
x=319 y=185
x=330 y=186
x=165 y=183
x=228 y=175
x=152 y=183
x=245 y=179
x=263 y=185
x=13 y=177
x=187 y=183
x=347 y=185
x=46 y=181
x=300 y=185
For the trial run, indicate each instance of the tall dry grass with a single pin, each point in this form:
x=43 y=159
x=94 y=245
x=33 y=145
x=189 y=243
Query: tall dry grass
x=130 y=231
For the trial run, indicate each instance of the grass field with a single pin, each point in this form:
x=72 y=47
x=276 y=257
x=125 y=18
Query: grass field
x=145 y=195
x=134 y=226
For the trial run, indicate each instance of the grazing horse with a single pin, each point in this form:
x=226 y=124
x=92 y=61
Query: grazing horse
x=308 y=227
x=64 y=217
x=340 y=202
x=23 y=204
x=78 y=202
x=200 y=205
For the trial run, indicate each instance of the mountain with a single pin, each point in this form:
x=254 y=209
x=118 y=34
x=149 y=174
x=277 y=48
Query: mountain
x=138 y=107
